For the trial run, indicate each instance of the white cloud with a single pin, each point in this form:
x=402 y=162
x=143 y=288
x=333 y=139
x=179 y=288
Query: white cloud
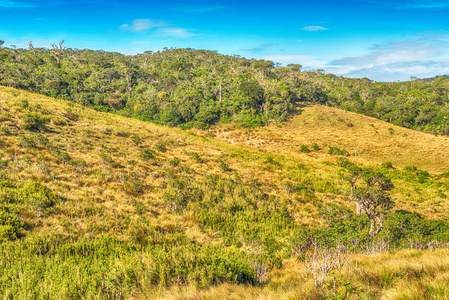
x=141 y=25
x=422 y=56
x=175 y=32
x=314 y=28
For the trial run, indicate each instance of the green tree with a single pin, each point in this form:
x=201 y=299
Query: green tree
x=370 y=191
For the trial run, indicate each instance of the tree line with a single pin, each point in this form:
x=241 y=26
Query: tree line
x=199 y=88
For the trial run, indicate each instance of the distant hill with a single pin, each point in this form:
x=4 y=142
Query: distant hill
x=436 y=77
x=199 y=88
x=96 y=205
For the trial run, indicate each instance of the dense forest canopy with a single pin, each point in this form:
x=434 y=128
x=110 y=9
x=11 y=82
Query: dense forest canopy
x=198 y=88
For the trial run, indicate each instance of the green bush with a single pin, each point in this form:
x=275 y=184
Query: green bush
x=174 y=161
x=161 y=147
x=135 y=138
x=34 y=121
x=146 y=154
x=10 y=226
x=337 y=151
x=36 y=195
x=304 y=149
x=195 y=156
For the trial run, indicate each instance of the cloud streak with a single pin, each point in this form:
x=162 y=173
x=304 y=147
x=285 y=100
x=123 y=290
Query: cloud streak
x=141 y=25
x=204 y=9
x=15 y=4
x=314 y=28
x=175 y=32
x=158 y=28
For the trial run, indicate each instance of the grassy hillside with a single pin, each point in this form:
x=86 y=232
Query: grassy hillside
x=95 y=205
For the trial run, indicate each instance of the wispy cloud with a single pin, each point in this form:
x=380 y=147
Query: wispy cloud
x=259 y=49
x=411 y=4
x=314 y=28
x=16 y=4
x=205 y=9
x=157 y=28
x=141 y=25
x=420 y=56
x=175 y=32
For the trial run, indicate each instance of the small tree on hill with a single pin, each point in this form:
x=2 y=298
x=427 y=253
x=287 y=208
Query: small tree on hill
x=370 y=191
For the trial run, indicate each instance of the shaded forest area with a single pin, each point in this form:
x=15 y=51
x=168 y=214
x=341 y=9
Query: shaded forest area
x=199 y=88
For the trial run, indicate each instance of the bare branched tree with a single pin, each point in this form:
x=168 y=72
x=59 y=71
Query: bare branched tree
x=321 y=261
x=58 y=50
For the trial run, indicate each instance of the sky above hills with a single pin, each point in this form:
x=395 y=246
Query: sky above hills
x=382 y=40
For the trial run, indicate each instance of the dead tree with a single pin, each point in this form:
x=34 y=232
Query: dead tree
x=321 y=261
x=31 y=47
x=58 y=51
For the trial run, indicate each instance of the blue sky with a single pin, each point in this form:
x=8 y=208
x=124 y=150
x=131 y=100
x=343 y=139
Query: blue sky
x=382 y=40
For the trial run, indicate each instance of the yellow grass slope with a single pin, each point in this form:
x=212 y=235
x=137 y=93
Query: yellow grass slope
x=98 y=198
x=369 y=140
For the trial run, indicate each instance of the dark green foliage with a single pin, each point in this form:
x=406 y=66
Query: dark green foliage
x=174 y=161
x=24 y=103
x=316 y=147
x=34 y=121
x=273 y=161
x=146 y=154
x=406 y=229
x=337 y=151
x=187 y=87
x=136 y=139
x=387 y=165
x=195 y=156
x=161 y=147
x=304 y=149
x=10 y=226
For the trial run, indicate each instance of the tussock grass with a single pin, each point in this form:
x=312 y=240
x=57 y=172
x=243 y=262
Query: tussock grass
x=143 y=196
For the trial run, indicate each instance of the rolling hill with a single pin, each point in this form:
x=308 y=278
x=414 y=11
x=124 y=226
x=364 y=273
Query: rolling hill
x=96 y=205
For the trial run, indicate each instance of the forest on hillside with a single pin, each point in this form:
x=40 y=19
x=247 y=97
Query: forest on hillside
x=199 y=88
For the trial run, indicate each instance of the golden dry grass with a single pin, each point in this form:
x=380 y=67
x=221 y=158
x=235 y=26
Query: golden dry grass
x=369 y=139
x=96 y=202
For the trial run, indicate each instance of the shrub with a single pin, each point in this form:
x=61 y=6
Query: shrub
x=71 y=115
x=24 y=103
x=304 y=149
x=315 y=147
x=195 y=156
x=135 y=138
x=10 y=226
x=146 y=154
x=64 y=157
x=337 y=151
x=36 y=195
x=34 y=121
x=161 y=147
x=387 y=165
x=174 y=161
